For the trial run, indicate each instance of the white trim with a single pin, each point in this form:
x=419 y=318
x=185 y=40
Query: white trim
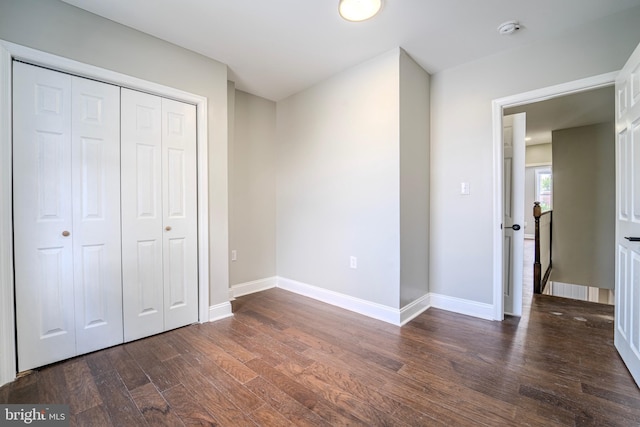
x=66 y=65
x=414 y=309
x=11 y=51
x=7 y=316
x=202 y=137
x=219 y=311
x=463 y=306
x=550 y=92
x=247 y=288
x=498 y=105
x=394 y=316
x=535 y=165
x=367 y=308
x=498 y=217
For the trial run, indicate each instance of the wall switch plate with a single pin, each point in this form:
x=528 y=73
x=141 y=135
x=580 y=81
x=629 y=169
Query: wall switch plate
x=234 y=255
x=353 y=262
x=465 y=188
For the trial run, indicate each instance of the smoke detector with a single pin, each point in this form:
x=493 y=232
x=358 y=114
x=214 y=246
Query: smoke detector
x=508 y=27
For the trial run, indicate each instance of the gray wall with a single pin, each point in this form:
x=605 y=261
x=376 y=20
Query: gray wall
x=345 y=150
x=353 y=180
x=338 y=188
x=584 y=205
x=462 y=145
x=55 y=27
x=252 y=187
x=414 y=180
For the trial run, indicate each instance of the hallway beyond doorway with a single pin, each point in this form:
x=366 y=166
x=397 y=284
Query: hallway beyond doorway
x=527 y=282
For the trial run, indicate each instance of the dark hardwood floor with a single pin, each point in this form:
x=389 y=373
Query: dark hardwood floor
x=284 y=359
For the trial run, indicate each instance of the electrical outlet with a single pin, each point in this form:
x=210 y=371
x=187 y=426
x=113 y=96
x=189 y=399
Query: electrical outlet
x=234 y=255
x=353 y=262
x=465 y=188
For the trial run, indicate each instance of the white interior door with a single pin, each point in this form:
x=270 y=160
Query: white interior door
x=142 y=228
x=627 y=316
x=95 y=165
x=514 y=130
x=42 y=216
x=179 y=207
x=66 y=215
x=159 y=216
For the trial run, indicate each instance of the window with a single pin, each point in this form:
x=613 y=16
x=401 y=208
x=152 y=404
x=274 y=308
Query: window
x=544 y=188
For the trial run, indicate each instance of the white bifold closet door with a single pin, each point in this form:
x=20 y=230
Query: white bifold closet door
x=66 y=191
x=159 y=227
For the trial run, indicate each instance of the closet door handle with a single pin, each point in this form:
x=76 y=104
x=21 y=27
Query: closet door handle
x=168 y=228
x=65 y=233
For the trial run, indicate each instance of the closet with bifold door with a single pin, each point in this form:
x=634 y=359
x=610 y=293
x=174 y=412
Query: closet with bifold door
x=158 y=214
x=105 y=221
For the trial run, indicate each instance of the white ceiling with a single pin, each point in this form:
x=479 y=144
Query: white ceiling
x=275 y=48
x=569 y=111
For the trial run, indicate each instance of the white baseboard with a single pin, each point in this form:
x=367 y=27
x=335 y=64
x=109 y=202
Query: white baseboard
x=462 y=306
x=367 y=308
x=374 y=310
x=414 y=309
x=220 y=311
x=252 y=287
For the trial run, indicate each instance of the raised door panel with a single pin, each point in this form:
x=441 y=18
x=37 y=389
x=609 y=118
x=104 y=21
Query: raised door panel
x=179 y=207
x=622 y=175
x=142 y=227
x=635 y=178
x=42 y=216
x=96 y=214
x=622 y=292
x=633 y=296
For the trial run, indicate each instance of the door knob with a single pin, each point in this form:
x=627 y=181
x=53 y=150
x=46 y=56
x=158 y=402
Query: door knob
x=168 y=228
x=633 y=239
x=515 y=227
x=65 y=233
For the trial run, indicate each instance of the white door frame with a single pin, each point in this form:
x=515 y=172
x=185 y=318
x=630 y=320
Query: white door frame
x=10 y=51
x=498 y=105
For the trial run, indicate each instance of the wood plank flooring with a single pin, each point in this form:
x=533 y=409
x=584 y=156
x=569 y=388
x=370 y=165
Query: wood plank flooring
x=284 y=359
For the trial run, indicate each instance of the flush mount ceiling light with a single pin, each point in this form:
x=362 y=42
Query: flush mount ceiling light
x=359 y=10
x=508 y=27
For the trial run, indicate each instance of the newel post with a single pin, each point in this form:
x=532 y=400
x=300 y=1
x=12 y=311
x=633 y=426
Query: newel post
x=537 y=267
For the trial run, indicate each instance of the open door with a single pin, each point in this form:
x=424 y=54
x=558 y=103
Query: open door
x=627 y=316
x=514 y=130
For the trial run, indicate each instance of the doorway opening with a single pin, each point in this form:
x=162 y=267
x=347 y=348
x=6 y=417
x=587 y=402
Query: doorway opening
x=573 y=135
x=510 y=105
